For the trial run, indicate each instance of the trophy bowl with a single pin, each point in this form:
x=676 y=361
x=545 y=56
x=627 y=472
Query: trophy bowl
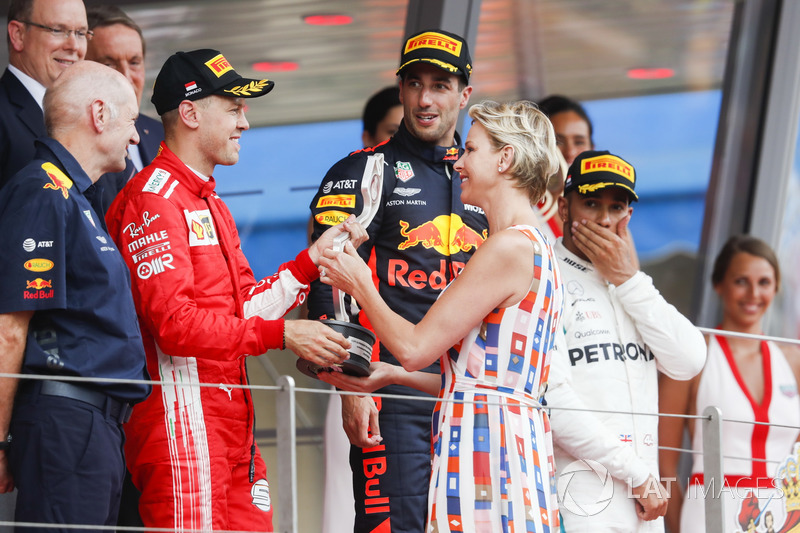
x=361 y=341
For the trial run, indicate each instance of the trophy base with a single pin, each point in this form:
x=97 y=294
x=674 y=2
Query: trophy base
x=361 y=341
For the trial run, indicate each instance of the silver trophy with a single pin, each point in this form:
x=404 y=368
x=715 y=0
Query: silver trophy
x=361 y=339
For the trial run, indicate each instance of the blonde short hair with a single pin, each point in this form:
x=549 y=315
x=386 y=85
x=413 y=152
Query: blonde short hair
x=529 y=132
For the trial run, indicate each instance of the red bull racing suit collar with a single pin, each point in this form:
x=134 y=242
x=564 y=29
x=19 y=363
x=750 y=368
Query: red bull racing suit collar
x=429 y=152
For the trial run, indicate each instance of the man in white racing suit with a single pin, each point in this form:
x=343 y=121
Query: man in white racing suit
x=618 y=331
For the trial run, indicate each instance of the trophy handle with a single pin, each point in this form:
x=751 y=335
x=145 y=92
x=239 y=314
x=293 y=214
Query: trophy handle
x=371 y=189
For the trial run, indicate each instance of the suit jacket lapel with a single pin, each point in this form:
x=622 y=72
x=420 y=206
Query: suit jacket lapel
x=28 y=110
x=150 y=136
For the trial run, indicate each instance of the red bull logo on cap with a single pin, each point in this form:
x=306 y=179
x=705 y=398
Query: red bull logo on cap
x=447 y=234
x=59 y=180
x=218 y=65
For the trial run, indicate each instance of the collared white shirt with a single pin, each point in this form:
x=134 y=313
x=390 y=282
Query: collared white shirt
x=135 y=156
x=35 y=88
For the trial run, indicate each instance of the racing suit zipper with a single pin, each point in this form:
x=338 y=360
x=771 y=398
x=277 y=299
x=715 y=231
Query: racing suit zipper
x=244 y=380
x=248 y=399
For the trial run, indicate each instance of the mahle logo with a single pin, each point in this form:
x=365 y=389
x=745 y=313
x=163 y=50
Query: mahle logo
x=585 y=488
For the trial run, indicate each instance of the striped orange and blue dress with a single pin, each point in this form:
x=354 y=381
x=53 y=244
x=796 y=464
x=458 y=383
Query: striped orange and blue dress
x=493 y=468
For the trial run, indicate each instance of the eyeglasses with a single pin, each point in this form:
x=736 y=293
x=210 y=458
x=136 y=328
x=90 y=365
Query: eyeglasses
x=60 y=33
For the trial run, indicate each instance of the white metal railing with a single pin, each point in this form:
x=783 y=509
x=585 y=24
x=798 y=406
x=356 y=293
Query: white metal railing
x=286 y=509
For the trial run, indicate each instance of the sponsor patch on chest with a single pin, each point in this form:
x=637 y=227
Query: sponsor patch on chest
x=201 y=228
x=403 y=171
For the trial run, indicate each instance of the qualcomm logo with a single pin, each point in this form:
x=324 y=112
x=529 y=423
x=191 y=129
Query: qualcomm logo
x=585 y=488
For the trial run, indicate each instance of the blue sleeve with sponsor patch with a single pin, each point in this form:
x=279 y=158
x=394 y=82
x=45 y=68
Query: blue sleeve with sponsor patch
x=33 y=241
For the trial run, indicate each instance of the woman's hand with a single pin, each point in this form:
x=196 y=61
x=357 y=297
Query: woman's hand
x=345 y=270
x=326 y=241
x=381 y=375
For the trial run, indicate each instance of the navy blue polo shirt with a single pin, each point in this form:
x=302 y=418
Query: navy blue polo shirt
x=58 y=261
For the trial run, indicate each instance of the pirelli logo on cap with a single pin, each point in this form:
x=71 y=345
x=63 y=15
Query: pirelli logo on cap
x=435 y=40
x=219 y=65
x=608 y=163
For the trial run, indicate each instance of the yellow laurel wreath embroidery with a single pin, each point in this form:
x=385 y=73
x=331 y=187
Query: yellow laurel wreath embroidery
x=245 y=90
x=591 y=187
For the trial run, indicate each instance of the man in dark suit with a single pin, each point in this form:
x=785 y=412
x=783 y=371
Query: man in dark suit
x=119 y=44
x=44 y=38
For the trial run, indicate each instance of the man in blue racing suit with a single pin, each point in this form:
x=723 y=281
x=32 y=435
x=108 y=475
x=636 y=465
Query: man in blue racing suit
x=419 y=239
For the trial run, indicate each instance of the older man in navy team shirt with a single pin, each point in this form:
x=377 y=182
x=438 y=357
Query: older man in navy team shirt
x=66 y=311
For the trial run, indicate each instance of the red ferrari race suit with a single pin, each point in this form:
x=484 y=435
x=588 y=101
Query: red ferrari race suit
x=191 y=449
x=419 y=240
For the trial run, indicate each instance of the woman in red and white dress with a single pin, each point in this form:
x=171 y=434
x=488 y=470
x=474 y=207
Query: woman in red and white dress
x=750 y=380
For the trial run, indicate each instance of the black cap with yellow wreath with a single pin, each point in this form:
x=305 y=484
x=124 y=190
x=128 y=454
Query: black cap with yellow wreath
x=198 y=74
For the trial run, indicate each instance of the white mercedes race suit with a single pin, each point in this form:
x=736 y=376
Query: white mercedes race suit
x=613 y=341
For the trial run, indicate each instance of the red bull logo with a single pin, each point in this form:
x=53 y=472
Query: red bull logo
x=451 y=154
x=466 y=238
x=447 y=234
x=400 y=274
x=427 y=234
x=59 y=180
x=39 y=284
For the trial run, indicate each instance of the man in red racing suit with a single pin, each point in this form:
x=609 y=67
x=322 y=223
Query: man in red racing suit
x=190 y=448
x=419 y=240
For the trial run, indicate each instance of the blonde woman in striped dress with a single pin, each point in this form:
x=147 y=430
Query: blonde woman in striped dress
x=492 y=328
